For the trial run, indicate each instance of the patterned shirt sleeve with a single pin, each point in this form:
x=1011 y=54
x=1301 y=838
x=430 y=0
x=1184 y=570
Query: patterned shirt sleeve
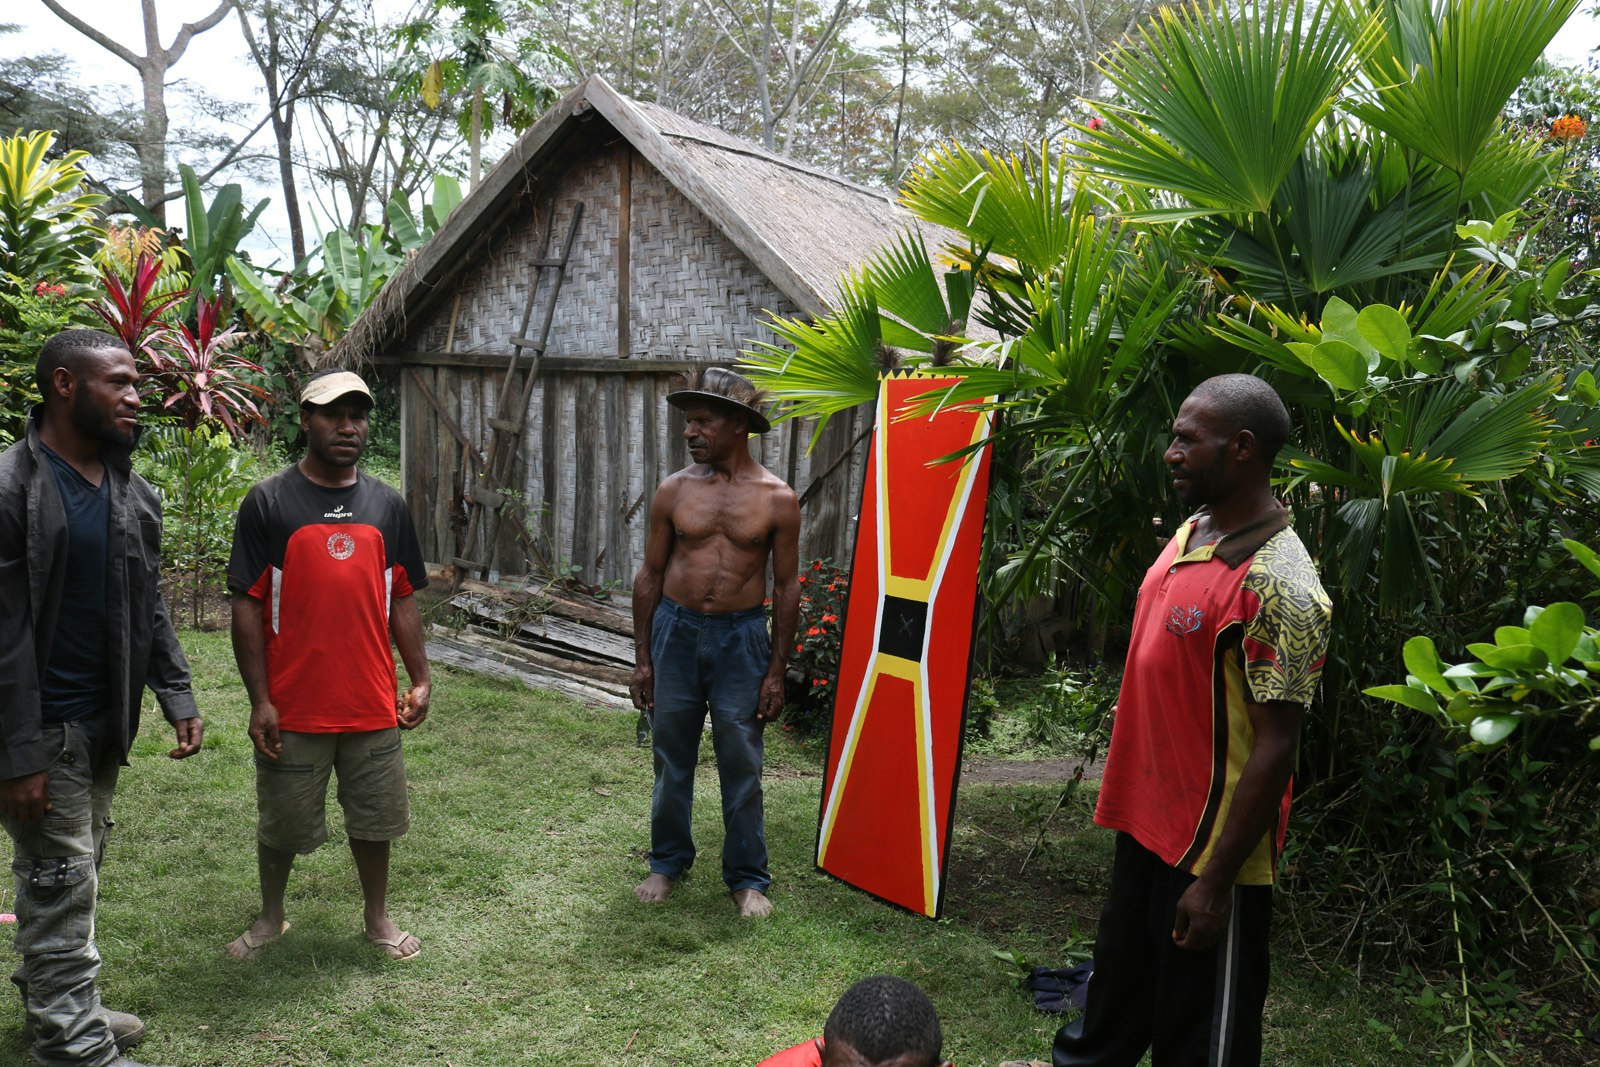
x=1286 y=637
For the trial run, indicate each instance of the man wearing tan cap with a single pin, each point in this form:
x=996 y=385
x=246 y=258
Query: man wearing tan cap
x=700 y=632
x=325 y=562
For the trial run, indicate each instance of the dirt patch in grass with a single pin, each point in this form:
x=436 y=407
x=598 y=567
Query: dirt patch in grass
x=214 y=608
x=1027 y=869
x=984 y=771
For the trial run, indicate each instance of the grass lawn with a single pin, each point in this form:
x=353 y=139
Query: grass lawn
x=529 y=830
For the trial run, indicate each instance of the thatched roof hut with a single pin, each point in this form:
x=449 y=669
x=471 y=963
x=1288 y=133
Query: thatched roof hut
x=688 y=236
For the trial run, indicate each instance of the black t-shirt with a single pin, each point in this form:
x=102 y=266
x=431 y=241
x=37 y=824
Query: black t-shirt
x=75 y=681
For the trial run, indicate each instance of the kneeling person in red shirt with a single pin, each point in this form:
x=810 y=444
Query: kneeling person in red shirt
x=879 y=1022
x=325 y=561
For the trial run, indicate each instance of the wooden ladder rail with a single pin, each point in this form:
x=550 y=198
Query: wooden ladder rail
x=485 y=498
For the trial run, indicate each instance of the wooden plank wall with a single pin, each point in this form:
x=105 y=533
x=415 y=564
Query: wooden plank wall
x=602 y=440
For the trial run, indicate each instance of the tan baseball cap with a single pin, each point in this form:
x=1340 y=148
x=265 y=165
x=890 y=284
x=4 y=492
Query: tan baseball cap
x=330 y=387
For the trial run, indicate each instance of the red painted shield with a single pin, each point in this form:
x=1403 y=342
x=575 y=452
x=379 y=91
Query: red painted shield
x=888 y=793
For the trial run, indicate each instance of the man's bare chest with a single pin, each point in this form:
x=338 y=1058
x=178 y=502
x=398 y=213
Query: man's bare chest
x=737 y=515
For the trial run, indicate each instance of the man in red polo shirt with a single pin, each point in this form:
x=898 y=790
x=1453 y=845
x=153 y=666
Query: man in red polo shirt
x=1226 y=652
x=325 y=561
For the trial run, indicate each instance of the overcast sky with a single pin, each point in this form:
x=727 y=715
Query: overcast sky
x=218 y=64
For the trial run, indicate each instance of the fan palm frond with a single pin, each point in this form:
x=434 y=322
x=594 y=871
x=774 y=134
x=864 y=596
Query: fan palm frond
x=1219 y=107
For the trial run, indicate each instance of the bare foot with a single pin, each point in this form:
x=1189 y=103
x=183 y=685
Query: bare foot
x=654 y=889
x=258 y=933
x=753 y=903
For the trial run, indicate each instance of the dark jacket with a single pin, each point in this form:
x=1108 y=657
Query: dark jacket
x=142 y=649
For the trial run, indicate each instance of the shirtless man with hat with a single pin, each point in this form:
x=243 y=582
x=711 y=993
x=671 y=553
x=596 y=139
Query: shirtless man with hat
x=700 y=631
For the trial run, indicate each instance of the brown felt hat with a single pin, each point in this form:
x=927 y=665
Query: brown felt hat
x=727 y=387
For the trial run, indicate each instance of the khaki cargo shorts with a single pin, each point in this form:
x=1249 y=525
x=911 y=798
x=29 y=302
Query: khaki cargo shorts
x=292 y=790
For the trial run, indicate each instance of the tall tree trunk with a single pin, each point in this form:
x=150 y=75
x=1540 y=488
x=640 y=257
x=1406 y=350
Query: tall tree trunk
x=477 y=136
x=152 y=68
x=153 y=143
x=284 y=70
x=283 y=133
x=900 y=96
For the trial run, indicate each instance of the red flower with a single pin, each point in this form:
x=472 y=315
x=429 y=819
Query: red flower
x=830 y=618
x=801 y=578
x=813 y=632
x=1097 y=123
x=817 y=566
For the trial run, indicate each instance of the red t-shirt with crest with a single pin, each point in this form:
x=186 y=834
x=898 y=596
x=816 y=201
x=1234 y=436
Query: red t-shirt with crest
x=326 y=565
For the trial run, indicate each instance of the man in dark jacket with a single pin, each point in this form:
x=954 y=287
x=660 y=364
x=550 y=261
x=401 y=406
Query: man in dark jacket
x=83 y=632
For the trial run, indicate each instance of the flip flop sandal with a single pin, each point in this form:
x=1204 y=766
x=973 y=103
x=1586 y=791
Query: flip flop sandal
x=394 y=947
x=252 y=942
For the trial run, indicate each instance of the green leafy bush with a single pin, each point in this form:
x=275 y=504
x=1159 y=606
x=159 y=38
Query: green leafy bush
x=31 y=311
x=202 y=476
x=1549 y=667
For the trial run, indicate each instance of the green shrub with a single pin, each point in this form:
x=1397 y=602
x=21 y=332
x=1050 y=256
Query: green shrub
x=31 y=311
x=202 y=476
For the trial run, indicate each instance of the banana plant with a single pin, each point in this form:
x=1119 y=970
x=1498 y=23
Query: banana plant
x=213 y=231
x=322 y=303
x=412 y=231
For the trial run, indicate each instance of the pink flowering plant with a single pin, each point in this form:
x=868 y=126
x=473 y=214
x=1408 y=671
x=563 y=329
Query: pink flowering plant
x=818 y=638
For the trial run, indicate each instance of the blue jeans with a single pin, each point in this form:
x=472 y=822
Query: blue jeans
x=717 y=662
x=55 y=862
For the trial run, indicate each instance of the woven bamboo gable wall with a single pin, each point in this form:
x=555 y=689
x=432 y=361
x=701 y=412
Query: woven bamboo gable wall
x=600 y=435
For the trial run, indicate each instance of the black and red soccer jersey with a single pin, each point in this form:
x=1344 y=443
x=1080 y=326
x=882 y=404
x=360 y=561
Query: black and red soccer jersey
x=325 y=565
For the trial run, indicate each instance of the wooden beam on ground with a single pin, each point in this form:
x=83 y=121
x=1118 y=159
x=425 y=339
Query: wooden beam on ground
x=590 y=612
x=480 y=655
x=551 y=633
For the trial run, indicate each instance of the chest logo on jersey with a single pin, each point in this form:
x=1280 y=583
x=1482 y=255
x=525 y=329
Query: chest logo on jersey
x=1184 y=621
x=339 y=512
x=341 y=546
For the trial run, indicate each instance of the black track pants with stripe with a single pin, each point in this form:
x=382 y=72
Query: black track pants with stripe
x=1192 y=1009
